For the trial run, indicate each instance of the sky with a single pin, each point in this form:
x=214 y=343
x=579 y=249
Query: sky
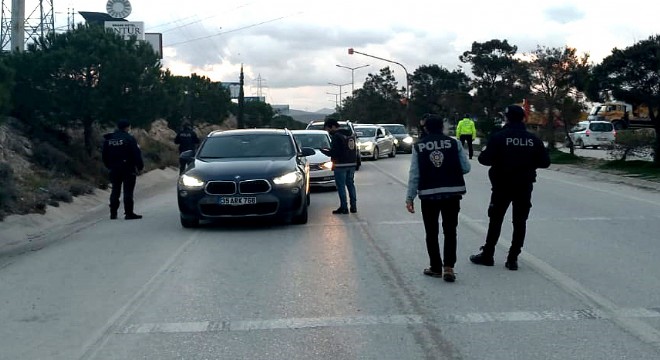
x=290 y=49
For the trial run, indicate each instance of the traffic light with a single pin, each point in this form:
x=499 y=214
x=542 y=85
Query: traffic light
x=350 y=51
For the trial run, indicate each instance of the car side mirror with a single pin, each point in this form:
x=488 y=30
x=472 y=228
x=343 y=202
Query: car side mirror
x=306 y=151
x=380 y=136
x=187 y=156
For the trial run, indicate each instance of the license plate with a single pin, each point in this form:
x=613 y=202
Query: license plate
x=238 y=200
x=602 y=139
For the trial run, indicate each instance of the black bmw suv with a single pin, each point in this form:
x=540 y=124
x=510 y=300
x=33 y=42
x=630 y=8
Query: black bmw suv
x=245 y=173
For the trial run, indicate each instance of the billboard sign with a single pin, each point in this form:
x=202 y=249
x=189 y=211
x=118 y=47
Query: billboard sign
x=126 y=29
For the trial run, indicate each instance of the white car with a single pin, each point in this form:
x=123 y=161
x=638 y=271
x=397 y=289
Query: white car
x=375 y=141
x=320 y=165
x=592 y=134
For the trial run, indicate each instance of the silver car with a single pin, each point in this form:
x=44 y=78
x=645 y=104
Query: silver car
x=374 y=141
x=320 y=165
x=593 y=133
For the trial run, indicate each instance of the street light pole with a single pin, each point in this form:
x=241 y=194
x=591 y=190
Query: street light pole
x=352 y=69
x=340 y=92
x=352 y=51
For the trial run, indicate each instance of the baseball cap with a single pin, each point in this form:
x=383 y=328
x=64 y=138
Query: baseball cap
x=514 y=113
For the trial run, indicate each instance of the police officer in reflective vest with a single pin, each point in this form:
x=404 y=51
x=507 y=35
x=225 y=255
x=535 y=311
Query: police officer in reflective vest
x=123 y=158
x=466 y=132
x=513 y=155
x=437 y=166
x=187 y=140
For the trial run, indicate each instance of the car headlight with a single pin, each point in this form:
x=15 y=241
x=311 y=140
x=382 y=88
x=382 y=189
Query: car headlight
x=367 y=145
x=288 y=179
x=327 y=165
x=191 y=182
x=408 y=140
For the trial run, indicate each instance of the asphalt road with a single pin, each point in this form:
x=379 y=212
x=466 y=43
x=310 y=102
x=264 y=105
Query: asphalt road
x=349 y=286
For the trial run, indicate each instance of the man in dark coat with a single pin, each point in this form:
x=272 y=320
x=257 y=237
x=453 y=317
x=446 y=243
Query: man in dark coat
x=123 y=158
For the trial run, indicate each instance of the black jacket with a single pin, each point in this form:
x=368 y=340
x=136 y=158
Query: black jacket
x=342 y=150
x=121 y=152
x=187 y=140
x=514 y=154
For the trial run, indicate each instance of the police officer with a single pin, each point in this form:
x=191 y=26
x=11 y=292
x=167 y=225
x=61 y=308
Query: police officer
x=437 y=166
x=123 y=158
x=344 y=160
x=513 y=154
x=466 y=132
x=187 y=140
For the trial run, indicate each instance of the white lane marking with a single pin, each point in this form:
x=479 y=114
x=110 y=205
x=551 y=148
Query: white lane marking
x=377 y=320
x=100 y=338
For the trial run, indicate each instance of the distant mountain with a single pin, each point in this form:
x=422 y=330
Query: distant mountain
x=325 y=111
x=307 y=116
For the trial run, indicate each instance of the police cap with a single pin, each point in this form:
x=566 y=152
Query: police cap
x=514 y=113
x=123 y=124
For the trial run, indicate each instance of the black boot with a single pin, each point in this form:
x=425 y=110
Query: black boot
x=511 y=263
x=132 y=216
x=483 y=258
x=128 y=211
x=113 y=212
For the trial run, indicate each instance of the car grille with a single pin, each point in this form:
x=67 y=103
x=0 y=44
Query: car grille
x=244 y=187
x=254 y=186
x=221 y=188
x=315 y=167
x=266 y=208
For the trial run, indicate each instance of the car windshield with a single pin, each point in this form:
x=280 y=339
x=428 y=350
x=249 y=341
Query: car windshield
x=396 y=129
x=247 y=146
x=314 y=141
x=604 y=127
x=365 y=132
x=319 y=126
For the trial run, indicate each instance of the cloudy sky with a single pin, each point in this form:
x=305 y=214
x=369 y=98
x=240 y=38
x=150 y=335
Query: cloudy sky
x=290 y=48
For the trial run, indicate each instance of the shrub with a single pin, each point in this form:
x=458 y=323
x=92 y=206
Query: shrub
x=80 y=188
x=8 y=191
x=639 y=143
x=51 y=158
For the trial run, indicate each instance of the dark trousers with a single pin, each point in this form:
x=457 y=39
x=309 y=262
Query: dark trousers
x=431 y=211
x=520 y=197
x=468 y=139
x=126 y=179
x=182 y=166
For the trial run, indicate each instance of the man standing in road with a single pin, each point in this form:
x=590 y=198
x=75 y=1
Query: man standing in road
x=187 y=140
x=513 y=154
x=437 y=166
x=123 y=158
x=466 y=132
x=344 y=160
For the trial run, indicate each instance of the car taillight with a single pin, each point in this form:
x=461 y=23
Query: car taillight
x=614 y=133
x=587 y=133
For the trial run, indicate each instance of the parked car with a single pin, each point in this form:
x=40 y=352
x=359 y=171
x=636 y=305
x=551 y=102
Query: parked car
x=404 y=141
x=245 y=173
x=592 y=133
x=374 y=141
x=347 y=126
x=320 y=165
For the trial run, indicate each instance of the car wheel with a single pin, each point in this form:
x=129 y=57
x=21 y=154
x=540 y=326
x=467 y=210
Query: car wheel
x=309 y=199
x=302 y=217
x=376 y=154
x=189 y=222
x=393 y=153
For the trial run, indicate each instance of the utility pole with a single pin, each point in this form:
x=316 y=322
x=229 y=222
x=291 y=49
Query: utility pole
x=16 y=30
x=352 y=69
x=340 y=92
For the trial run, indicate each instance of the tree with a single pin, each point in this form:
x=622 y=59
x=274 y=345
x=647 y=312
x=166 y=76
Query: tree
x=440 y=91
x=89 y=77
x=554 y=73
x=378 y=101
x=258 y=114
x=196 y=99
x=632 y=75
x=499 y=78
x=6 y=85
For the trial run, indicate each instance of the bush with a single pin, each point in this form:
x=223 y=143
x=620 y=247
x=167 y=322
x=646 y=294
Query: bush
x=8 y=191
x=638 y=143
x=51 y=158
